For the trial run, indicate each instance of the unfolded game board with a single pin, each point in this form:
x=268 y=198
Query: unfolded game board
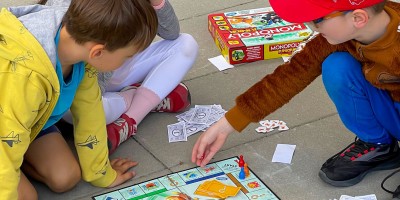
x=216 y=178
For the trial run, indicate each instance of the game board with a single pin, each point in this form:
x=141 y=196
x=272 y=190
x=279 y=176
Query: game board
x=172 y=186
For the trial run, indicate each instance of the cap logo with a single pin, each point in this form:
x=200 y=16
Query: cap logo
x=356 y=2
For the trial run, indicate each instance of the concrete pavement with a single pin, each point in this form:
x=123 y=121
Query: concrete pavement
x=314 y=124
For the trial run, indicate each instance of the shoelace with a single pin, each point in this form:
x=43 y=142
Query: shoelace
x=356 y=150
x=165 y=104
x=353 y=151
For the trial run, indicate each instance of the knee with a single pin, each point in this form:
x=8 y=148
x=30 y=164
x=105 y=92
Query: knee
x=64 y=179
x=338 y=70
x=189 y=46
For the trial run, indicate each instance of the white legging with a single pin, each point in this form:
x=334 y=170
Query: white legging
x=160 y=68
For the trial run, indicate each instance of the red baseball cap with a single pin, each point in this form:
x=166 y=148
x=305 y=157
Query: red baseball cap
x=299 y=11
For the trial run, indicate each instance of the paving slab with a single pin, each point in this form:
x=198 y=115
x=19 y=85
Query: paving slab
x=7 y=3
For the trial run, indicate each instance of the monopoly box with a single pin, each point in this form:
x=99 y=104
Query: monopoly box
x=256 y=34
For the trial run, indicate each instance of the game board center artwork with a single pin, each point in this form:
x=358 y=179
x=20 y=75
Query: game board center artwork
x=227 y=179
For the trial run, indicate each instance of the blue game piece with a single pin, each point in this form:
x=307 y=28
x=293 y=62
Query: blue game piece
x=242 y=175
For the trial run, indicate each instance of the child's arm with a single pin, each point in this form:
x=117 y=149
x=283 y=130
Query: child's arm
x=22 y=103
x=90 y=132
x=277 y=88
x=168 y=24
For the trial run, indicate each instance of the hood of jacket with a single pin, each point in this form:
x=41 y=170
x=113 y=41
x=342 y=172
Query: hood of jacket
x=43 y=23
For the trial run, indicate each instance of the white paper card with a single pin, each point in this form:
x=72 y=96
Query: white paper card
x=285 y=58
x=366 y=197
x=283 y=153
x=220 y=63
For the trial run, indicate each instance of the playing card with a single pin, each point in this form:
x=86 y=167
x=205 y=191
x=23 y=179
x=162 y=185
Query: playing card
x=261 y=129
x=186 y=115
x=194 y=128
x=263 y=122
x=281 y=123
x=196 y=119
x=283 y=127
x=177 y=132
x=269 y=125
x=201 y=115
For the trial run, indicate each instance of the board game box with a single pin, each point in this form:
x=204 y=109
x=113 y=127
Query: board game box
x=256 y=34
x=215 y=178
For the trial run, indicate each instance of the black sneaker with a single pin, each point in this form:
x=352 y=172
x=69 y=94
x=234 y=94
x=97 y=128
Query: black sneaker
x=349 y=166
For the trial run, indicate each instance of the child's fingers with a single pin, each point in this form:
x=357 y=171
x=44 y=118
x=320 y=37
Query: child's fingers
x=113 y=161
x=121 y=161
x=127 y=176
x=195 y=151
x=127 y=165
x=122 y=167
x=208 y=156
x=201 y=153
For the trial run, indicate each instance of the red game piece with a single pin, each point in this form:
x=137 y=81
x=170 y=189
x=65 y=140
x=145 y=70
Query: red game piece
x=241 y=161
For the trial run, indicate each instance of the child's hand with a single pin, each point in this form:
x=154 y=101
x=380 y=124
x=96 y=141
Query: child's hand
x=122 y=165
x=210 y=142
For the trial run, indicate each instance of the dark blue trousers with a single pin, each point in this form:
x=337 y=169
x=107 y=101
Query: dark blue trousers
x=365 y=110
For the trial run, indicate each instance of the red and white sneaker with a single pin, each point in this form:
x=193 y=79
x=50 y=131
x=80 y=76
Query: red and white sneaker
x=176 y=101
x=119 y=131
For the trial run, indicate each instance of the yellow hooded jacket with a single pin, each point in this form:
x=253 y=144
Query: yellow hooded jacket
x=29 y=92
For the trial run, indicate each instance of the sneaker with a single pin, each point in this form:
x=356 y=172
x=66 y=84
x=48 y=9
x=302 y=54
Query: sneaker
x=176 y=101
x=119 y=131
x=349 y=166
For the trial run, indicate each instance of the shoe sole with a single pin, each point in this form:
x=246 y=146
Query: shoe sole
x=393 y=164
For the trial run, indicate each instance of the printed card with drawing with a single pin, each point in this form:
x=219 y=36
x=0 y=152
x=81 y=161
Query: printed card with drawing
x=200 y=118
x=270 y=125
x=194 y=128
x=201 y=115
x=177 y=132
x=186 y=116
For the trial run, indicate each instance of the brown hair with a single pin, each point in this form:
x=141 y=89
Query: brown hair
x=42 y=2
x=377 y=8
x=114 y=23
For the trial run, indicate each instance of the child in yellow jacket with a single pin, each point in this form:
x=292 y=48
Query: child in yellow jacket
x=49 y=58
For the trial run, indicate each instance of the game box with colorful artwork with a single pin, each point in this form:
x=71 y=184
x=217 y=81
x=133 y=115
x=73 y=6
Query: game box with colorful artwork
x=219 y=180
x=256 y=34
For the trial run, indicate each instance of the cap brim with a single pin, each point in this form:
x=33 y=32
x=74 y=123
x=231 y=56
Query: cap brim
x=297 y=11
